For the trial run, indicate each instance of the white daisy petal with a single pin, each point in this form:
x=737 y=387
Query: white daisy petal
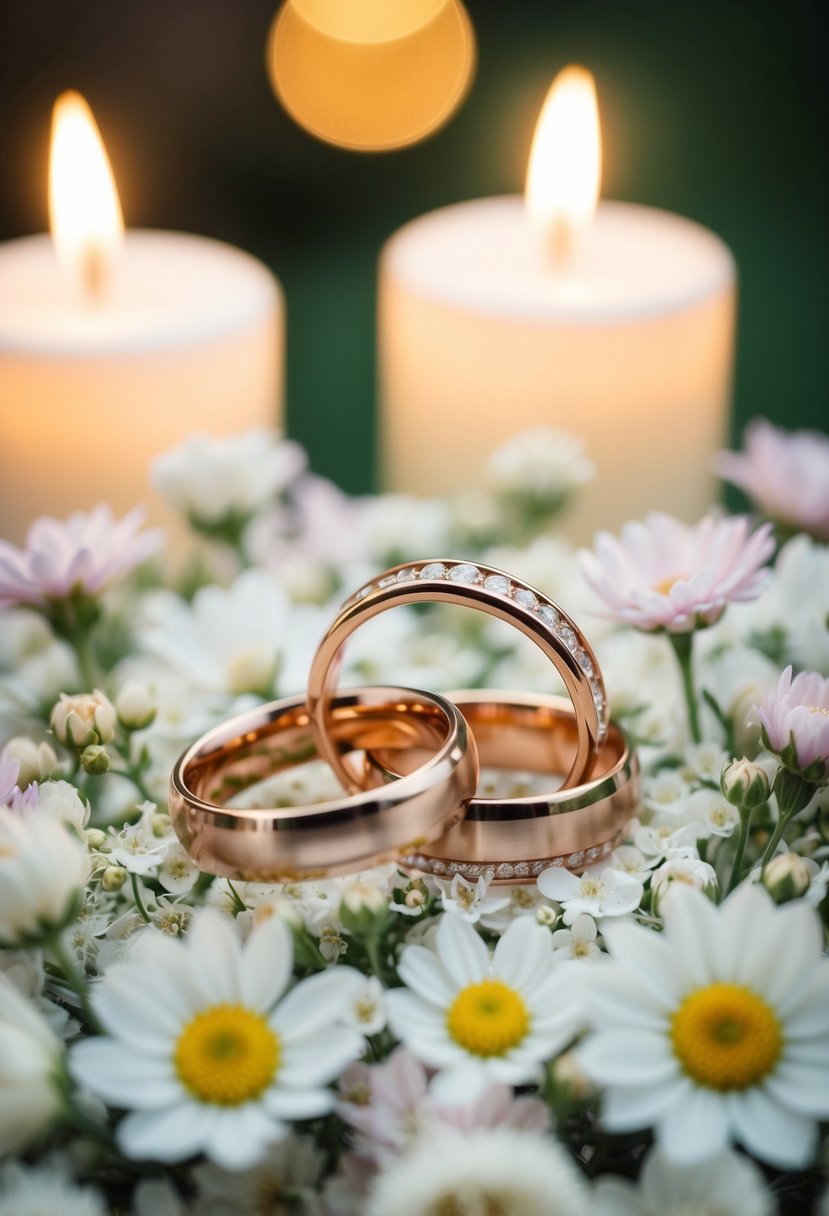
x=462 y=951
x=316 y=1002
x=524 y=954
x=237 y=1138
x=298 y=1103
x=173 y=1134
x=266 y=964
x=801 y=1087
x=214 y=950
x=627 y=1057
x=124 y=1077
x=421 y=970
x=694 y=1129
x=772 y=1133
x=626 y=1108
x=313 y=1061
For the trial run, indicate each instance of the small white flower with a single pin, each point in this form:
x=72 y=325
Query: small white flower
x=729 y=1185
x=397 y=528
x=366 y=1007
x=492 y=1019
x=521 y=901
x=664 y=840
x=461 y=898
x=599 y=892
x=696 y=1034
x=519 y=1172
x=630 y=860
x=681 y=872
x=578 y=942
x=43 y=869
x=205 y=1050
x=666 y=792
x=136 y=847
x=210 y=478
x=541 y=464
x=61 y=800
x=30 y=1065
x=705 y=760
x=177 y=874
x=709 y=809
x=46 y=1188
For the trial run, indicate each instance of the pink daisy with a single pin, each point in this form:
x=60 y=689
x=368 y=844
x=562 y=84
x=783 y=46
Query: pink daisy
x=663 y=574
x=83 y=553
x=785 y=474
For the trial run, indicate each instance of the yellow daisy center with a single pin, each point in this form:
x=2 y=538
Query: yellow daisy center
x=488 y=1018
x=726 y=1037
x=227 y=1055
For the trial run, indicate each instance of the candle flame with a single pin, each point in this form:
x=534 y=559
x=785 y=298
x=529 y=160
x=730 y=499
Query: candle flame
x=564 y=174
x=84 y=211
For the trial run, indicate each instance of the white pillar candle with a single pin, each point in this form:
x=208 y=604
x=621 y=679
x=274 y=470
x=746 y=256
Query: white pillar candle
x=626 y=339
x=186 y=335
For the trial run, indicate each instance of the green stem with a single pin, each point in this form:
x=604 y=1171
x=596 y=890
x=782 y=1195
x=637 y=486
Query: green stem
x=82 y=645
x=139 y=902
x=133 y=774
x=74 y=980
x=794 y=793
x=683 y=644
x=737 y=864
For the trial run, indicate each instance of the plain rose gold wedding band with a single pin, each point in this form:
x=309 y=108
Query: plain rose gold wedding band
x=490 y=591
x=279 y=844
x=516 y=838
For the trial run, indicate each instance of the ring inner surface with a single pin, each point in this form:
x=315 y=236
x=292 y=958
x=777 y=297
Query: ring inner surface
x=408 y=733
x=520 y=737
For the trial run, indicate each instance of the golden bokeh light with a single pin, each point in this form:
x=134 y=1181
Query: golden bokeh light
x=368 y=20
x=372 y=94
x=84 y=211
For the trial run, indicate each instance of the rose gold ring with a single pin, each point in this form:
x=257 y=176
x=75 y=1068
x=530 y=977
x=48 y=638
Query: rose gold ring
x=516 y=838
x=493 y=592
x=280 y=844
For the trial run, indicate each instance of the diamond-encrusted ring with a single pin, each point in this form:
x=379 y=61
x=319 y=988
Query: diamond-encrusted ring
x=381 y=823
x=514 y=838
x=493 y=592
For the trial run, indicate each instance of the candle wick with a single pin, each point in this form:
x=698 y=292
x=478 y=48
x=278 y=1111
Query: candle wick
x=560 y=243
x=94 y=270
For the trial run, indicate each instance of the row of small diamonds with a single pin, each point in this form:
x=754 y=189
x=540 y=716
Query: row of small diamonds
x=467 y=574
x=507 y=869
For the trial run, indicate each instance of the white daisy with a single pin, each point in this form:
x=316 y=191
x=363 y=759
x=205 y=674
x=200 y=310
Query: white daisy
x=520 y=1172
x=203 y=1052
x=715 y=1030
x=730 y=1185
x=598 y=892
x=483 y=1018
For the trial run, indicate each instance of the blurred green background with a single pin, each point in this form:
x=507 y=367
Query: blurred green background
x=716 y=110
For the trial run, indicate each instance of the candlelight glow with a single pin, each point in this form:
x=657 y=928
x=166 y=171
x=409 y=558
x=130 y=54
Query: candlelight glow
x=564 y=175
x=368 y=20
x=84 y=211
x=373 y=75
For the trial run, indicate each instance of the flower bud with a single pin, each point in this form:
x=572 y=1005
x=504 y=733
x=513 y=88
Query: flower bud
x=113 y=878
x=160 y=825
x=744 y=784
x=95 y=838
x=546 y=914
x=37 y=760
x=786 y=877
x=95 y=760
x=568 y=1073
x=134 y=706
x=81 y=720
